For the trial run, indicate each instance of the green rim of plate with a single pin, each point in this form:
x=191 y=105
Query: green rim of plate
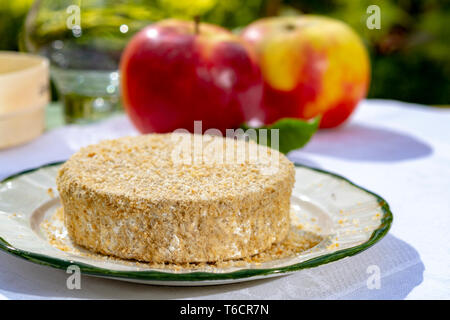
x=376 y=236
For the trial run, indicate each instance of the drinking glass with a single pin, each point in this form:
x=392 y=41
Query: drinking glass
x=83 y=41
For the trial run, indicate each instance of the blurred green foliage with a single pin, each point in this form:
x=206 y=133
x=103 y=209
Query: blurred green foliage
x=410 y=53
x=12 y=15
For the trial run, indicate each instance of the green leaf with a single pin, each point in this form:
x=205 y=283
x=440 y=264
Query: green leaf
x=293 y=133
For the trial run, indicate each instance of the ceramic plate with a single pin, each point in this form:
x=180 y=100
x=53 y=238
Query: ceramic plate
x=348 y=218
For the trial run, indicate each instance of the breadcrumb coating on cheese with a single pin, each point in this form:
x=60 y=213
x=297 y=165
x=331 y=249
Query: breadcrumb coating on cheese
x=148 y=167
x=294 y=244
x=176 y=197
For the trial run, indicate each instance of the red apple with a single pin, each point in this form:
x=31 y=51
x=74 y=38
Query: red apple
x=311 y=66
x=174 y=72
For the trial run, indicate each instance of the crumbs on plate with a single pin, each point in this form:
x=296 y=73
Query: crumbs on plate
x=298 y=241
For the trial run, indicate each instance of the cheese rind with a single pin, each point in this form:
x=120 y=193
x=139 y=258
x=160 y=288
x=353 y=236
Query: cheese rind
x=137 y=198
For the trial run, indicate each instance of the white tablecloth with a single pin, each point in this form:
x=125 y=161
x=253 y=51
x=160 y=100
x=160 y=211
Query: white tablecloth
x=400 y=151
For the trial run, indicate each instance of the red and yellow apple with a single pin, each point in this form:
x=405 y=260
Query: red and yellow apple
x=311 y=66
x=175 y=72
